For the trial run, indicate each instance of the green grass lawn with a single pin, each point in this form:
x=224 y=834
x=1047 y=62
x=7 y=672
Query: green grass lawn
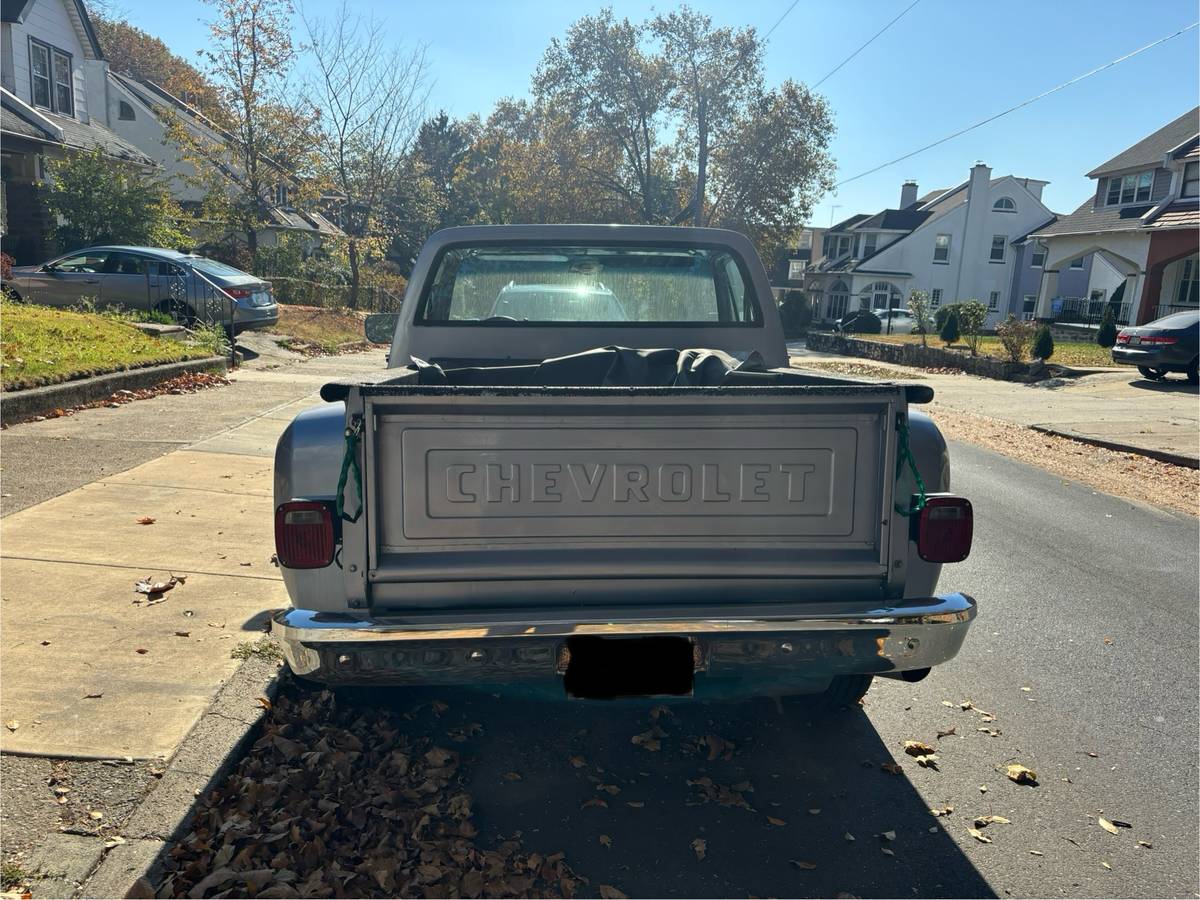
x=1066 y=353
x=40 y=345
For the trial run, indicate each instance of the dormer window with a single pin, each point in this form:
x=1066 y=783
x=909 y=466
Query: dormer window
x=869 y=241
x=1191 y=180
x=125 y=111
x=281 y=195
x=1134 y=188
x=51 y=85
x=1005 y=204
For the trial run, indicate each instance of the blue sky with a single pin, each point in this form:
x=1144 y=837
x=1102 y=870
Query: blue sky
x=944 y=65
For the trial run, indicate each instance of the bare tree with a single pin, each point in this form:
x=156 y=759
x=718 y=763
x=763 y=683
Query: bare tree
x=370 y=94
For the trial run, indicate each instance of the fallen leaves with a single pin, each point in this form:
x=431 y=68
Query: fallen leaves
x=777 y=822
x=700 y=847
x=154 y=590
x=606 y=841
x=893 y=768
x=803 y=864
x=608 y=892
x=1021 y=775
x=649 y=740
x=941 y=811
x=918 y=748
x=979 y=835
x=577 y=762
x=146 y=520
x=12 y=724
x=1107 y=825
x=946 y=733
x=594 y=802
x=984 y=821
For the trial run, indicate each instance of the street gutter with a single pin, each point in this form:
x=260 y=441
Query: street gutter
x=17 y=406
x=1177 y=459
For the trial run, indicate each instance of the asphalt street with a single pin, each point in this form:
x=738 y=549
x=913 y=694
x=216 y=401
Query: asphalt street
x=1085 y=651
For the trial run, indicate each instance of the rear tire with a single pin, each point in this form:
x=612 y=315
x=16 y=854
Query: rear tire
x=843 y=693
x=1193 y=373
x=1152 y=374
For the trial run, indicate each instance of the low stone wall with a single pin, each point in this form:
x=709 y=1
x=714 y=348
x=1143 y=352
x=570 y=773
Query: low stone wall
x=925 y=357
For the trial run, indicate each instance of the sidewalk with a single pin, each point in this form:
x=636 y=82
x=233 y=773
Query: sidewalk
x=85 y=671
x=1119 y=407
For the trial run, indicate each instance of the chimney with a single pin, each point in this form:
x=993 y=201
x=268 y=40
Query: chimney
x=908 y=194
x=981 y=177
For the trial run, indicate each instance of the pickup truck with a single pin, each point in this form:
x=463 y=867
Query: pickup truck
x=588 y=462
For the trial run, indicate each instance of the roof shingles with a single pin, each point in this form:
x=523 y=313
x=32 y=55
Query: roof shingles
x=1151 y=149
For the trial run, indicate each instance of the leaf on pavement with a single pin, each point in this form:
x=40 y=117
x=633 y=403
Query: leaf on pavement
x=1021 y=775
x=942 y=811
x=983 y=789
x=918 y=748
x=1107 y=825
x=150 y=587
x=1106 y=865
x=979 y=835
x=948 y=703
x=889 y=835
x=984 y=821
x=927 y=761
x=848 y=836
x=512 y=776
x=887 y=851
x=141 y=651
x=636 y=804
x=12 y=724
x=1036 y=853
x=263 y=702
x=775 y=821
x=577 y=762
x=949 y=731
x=700 y=846
x=1146 y=844
x=605 y=841
x=611 y=789
x=92 y=696
x=803 y=864
x=892 y=767
x=608 y=892
x=594 y=801
x=990 y=732
x=146 y=520
x=717 y=747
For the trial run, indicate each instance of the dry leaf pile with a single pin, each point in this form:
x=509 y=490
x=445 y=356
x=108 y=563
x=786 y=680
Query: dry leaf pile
x=330 y=805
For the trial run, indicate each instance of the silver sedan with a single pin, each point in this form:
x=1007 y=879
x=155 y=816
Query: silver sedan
x=189 y=288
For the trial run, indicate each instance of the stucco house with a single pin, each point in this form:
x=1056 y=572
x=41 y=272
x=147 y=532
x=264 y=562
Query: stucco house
x=52 y=101
x=968 y=242
x=1144 y=220
x=143 y=112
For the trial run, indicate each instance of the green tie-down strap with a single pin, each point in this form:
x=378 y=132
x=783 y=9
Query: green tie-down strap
x=904 y=457
x=350 y=461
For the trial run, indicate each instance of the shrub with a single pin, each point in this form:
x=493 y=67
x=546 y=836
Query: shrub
x=866 y=322
x=1016 y=336
x=918 y=305
x=972 y=316
x=1107 y=335
x=942 y=313
x=1043 y=344
x=795 y=312
x=949 y=330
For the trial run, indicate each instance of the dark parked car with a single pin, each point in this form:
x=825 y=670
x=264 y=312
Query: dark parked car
x=1169 y=344
x=187 y=287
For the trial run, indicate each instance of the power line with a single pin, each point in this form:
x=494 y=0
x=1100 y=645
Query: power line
x=1023 y=103
x=780 y=19
x=867 y=44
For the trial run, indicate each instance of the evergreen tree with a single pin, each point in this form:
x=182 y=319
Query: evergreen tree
x=1107 y=335
x=1043 y=344
x=949 y=332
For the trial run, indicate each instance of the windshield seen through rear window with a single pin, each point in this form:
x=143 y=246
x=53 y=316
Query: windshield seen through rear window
x=595 y=285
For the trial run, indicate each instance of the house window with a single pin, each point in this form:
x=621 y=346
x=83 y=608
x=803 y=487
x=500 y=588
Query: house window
x=1129 y=188
x=805 y=240
x=941 y=249
x=1191 y=180
x=795 y=269
x=999 y=242
x=880 y=295
x=1188 y=291
x=125 y=111
x=51 y=86
x=1029 y=306
x=1077 y=263
x=1005 y=204
x=869 y=244
x=281 y=195
x=843 y=245
x=994 y=300
x=839 y=298
x=935 y=297
x=1037 y=259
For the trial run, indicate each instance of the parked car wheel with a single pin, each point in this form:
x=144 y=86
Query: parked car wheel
x=1193 y=372
x=844 y=692
x=11 y=294
x=1152 y=374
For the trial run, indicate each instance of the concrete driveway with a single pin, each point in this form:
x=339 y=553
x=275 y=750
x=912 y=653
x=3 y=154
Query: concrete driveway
x=1117 y=405
x=86 y=671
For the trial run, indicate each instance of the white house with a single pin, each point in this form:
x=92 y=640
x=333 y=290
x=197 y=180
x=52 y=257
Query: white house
x=52 y=101
x=957 y=244
x=142 y=113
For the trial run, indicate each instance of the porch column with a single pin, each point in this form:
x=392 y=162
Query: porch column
x=1134 y=285
x=1148 y=296
x=1048 y=291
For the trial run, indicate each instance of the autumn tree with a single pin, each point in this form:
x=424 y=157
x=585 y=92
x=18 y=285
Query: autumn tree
x=131 y=51
x=268 y=138
x=369 y=94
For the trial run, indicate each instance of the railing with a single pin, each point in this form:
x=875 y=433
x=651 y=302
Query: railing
x=1086 y=311
x=1167 y=309
x=192 y=298
x=297 y=291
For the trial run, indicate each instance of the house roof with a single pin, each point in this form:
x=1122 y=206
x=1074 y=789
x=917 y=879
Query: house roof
x=20 y=119
x=1180 y=214
x=15 y=10
x=849 y=223
x=895 y=219
x=1151 y=149
x=1088 y=219
x=1039 y=230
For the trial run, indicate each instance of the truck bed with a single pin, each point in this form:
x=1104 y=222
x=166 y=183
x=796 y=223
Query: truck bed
x=501 y=498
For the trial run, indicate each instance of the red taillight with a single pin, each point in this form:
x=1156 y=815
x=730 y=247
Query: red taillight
x=944 y=529
x=1123 y=337
x=304 y=535
x=1158 y=339
x=239 y=293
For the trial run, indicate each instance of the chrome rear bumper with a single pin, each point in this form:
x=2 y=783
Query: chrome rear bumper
x=908 y=637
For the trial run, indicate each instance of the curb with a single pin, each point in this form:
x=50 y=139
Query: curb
x=16 y=406
x=206 y=756
x=1176 y=459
